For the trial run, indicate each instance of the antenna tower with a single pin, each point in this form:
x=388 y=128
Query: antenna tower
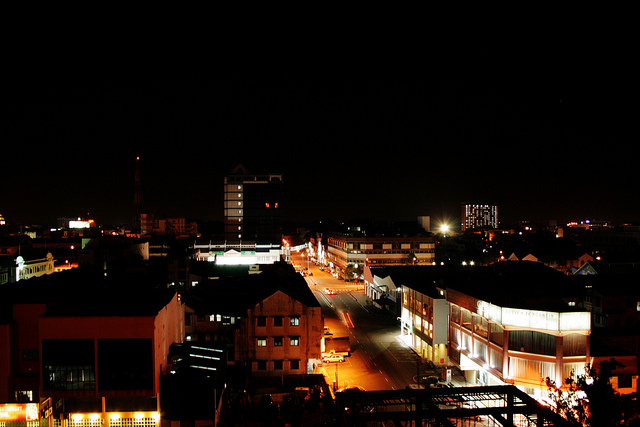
x=136 y=199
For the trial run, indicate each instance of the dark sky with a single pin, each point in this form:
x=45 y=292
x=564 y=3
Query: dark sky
x=545 y=131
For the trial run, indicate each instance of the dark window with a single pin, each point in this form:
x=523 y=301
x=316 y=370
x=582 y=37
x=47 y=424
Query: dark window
x=68 y=365
x=278 y=364
x=262 y=365
x=277 y=341
x=532 y=342
x=32 y=354
x=261 y=321
x=277 y=321
x=125 y=364
x=625 y=381
x=295 y=364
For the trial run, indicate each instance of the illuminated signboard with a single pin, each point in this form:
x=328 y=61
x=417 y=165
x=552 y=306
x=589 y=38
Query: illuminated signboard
x=535 y=319
x=79 y=224
x=19 y=412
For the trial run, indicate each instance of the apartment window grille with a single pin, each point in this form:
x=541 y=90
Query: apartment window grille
x=69 y=378
x=131 y=422
x=84 y=422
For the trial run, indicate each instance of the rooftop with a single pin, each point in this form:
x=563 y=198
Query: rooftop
x=85 y=291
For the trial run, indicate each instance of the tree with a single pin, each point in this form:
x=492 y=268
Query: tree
x=589 y=399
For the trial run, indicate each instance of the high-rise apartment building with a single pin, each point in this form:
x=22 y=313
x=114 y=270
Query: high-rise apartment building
x=479 y=216
x=253 y=206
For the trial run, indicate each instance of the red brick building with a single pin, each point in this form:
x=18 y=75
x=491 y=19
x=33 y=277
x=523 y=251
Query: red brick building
x=269 y=319
x=95 y=345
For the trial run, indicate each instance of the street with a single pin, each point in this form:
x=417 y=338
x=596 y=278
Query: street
x=379 y=360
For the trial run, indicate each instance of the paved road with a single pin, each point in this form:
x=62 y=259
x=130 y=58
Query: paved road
x=379 y=359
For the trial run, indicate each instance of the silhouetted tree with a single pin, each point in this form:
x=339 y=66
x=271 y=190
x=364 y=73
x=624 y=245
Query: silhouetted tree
x=589 y=399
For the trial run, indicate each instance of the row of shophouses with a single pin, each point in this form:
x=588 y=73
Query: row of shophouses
x=515 y=322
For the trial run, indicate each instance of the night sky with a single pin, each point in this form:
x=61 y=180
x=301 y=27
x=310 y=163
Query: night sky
x=546 y=132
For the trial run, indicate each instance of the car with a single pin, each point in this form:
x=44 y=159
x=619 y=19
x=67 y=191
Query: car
x=351 y=389
x=430 y=380
x=443 y=384
x=329 y=291
x=333 y=358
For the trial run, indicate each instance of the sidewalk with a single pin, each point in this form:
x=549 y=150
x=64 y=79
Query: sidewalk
x=457 y=376
x=367 y=304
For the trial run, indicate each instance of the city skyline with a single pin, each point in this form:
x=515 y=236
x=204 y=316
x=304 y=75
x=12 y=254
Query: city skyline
x=535 y=132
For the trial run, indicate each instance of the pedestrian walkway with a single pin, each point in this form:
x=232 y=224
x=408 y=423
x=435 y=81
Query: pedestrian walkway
x=367 y=304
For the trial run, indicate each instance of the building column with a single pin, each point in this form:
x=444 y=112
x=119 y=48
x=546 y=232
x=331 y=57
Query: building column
x=505 y=355
x=559 y=360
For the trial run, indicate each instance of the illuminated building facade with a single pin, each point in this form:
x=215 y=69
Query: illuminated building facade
x=238 y=252
x=344 y=251
x=523 y=346
x=475 y=217
x=424 y=324
x=253 y=206
x=178 y=227
x=509 y=323
x=19 y=260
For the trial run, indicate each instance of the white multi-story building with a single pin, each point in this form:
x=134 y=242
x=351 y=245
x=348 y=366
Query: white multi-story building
x=510 y=323
x=479 y=216
x=345 y=252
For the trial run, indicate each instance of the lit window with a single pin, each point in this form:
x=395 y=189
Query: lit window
x=277 y=341
x=294 y=341
x=262 y=342
x=294 y=321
